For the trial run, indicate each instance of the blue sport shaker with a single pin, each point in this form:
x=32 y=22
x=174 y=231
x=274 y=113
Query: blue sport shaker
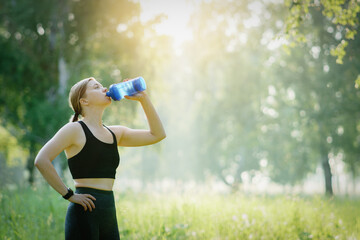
x=119 y=90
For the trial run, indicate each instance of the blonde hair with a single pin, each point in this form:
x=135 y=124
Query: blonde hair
x=76 y=93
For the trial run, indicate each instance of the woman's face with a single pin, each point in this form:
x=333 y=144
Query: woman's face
x=96 y=93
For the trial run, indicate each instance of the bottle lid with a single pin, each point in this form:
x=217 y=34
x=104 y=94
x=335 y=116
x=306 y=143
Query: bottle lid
x=139 y=84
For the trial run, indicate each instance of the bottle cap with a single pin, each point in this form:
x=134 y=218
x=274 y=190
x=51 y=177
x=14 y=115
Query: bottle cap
x=139 y=84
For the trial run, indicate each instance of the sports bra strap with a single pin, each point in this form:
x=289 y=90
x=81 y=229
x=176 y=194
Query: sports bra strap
x=88 y=133
x=113 y=134
x=86 y=129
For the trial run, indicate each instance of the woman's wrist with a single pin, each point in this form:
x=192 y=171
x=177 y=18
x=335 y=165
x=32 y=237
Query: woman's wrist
x=69 y=194
x=140 y=96
x=143 y=97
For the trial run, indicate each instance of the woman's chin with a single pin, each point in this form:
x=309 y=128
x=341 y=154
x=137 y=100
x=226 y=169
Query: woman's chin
x=108 y=102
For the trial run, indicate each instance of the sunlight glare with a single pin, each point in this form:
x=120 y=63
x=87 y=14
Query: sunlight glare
x=176 y=24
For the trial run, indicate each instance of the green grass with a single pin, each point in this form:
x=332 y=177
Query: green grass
x=40 y=214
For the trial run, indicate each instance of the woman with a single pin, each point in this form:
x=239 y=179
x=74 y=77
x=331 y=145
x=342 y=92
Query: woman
x=91 y=149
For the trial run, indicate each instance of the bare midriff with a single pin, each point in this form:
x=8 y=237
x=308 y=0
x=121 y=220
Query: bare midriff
x=97 y=183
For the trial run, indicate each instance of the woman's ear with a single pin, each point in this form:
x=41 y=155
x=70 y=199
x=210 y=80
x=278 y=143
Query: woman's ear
x=84 y=101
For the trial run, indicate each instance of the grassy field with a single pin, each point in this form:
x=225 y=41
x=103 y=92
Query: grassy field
x=40 y=214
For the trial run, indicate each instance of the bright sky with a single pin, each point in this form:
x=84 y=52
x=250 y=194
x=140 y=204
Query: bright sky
x=178 y=13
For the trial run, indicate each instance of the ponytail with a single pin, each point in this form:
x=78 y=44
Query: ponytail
x=75 y=117
x=76 y=93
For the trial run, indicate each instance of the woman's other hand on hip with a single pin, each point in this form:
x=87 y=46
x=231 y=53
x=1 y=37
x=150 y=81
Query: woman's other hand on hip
x=85 y=200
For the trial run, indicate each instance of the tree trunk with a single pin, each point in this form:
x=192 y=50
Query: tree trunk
x=30 y=163
x=353 y=176
x=237 y=184
x=57 y=39
x=327 y=174
x=63 y=78
x=63 y=75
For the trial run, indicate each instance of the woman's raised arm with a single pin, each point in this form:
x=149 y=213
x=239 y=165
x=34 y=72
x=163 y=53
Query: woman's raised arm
x=136 y=137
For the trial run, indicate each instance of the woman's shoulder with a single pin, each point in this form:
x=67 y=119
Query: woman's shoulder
x=118 y=130
x=72 y=126
x=70 y=129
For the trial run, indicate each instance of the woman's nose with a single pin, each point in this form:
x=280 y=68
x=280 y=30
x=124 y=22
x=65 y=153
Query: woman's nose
x=104 y=89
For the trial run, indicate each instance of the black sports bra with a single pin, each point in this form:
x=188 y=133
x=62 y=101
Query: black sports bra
x=96 y=159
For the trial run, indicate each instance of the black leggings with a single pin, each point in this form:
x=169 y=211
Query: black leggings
x=99 y=224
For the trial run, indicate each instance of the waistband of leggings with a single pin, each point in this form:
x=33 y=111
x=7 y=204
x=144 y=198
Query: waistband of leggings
x=92 y=190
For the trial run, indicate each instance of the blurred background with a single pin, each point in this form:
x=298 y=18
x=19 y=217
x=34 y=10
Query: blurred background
x=255 y=96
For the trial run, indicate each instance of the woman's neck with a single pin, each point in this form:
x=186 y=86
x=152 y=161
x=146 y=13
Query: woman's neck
x=93 y=117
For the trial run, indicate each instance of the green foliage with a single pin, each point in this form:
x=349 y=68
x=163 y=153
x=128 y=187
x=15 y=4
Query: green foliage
x=238 y=129
x=228 y=87
x=28 y=72
x=35 y=36
x=325 y=100
x=339 y=51
x=341 y=14
x=40 y=214
x=215 y=100
x=357 y=81
x=31 y=215
x=242 y=122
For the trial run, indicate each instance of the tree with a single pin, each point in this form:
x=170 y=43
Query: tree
x=45 y=50
x=343 y=16
x=228 y=90
x=324 y=95
x=293 y=132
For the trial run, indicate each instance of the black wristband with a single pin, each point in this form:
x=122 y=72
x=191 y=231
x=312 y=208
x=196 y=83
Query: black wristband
x=69 y=194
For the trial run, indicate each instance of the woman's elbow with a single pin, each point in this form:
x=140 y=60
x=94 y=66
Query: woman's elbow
x=39 y=162
x=163 y=136
x=157 y=138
